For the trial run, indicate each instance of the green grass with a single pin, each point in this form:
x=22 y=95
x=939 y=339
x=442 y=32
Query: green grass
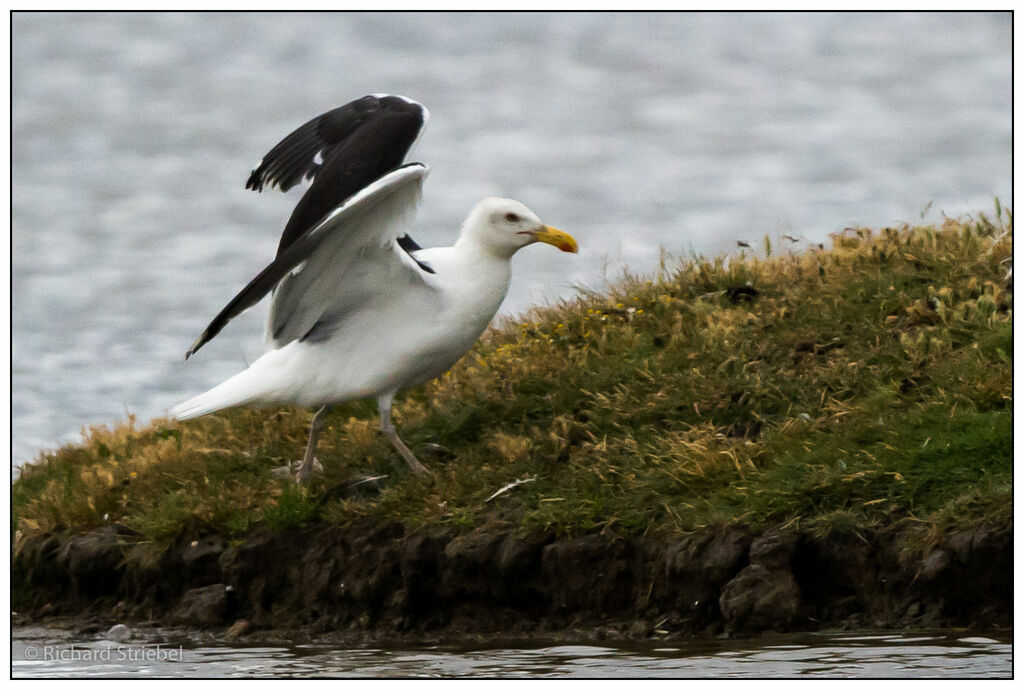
x=864 y=385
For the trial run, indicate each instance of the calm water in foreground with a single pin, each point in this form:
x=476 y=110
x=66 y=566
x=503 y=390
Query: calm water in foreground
x=44 y=652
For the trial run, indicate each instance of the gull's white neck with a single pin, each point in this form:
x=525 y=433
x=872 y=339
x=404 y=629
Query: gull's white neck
x=479 y=264
x=470 y=245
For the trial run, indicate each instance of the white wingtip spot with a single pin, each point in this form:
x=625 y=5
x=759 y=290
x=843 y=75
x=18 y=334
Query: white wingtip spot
x=426 y=113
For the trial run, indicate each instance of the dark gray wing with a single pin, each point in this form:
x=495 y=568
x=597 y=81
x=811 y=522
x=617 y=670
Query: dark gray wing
x=342 y=151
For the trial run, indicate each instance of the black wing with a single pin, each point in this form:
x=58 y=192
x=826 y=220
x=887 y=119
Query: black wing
x=343 y=151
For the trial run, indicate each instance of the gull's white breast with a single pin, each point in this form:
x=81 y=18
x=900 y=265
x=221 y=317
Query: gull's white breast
x=401 y=342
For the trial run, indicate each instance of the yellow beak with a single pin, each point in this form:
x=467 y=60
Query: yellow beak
x=562 y=240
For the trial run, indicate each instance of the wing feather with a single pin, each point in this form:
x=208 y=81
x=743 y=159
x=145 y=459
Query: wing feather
x=357 y=144
x=337 y=264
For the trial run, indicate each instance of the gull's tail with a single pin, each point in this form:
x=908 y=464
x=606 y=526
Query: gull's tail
x=255 y=384
x=237 y=390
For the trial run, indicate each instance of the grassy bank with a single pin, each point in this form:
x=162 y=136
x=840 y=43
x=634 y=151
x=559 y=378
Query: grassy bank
x=848 y=387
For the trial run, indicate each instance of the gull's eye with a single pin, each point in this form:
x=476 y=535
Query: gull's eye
x=512 y=217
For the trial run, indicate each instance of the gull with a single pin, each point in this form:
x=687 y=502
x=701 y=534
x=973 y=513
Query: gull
x=358 y=308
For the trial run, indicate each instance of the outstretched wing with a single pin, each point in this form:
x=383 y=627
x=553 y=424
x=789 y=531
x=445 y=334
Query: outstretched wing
x=352 y=256
x=342 y=151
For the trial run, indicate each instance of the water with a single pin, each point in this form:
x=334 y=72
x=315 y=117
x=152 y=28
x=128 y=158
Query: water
x=133 y=134
x=41 y=652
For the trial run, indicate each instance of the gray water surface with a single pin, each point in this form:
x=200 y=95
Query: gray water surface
x=42 y=652
x=133 y=135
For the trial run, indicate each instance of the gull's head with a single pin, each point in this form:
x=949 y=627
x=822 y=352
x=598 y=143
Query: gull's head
x=504 y=226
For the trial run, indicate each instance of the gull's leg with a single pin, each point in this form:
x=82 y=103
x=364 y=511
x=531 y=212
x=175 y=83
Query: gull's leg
x=384 y=405
x=308 y=461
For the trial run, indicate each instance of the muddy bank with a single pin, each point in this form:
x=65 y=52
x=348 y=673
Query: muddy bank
x=376 y=581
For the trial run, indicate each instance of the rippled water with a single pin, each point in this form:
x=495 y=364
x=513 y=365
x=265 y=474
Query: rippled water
x=132 y=136
x=41 y=652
